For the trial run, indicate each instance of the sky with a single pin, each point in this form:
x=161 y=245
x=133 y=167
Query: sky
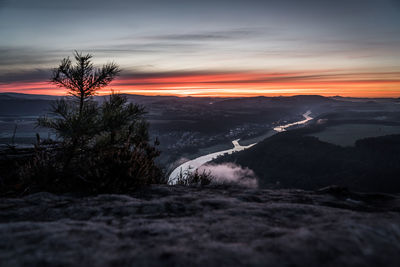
x=208 y=48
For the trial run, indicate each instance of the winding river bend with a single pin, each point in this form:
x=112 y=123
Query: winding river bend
x=282 y=128
x=192 y=165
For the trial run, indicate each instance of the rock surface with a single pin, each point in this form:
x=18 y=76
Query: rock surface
x=180 y=226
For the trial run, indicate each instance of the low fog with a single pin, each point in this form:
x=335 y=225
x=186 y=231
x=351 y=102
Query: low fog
x=230 y=173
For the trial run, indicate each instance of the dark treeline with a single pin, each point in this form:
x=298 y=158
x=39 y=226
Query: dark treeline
x=294 y=160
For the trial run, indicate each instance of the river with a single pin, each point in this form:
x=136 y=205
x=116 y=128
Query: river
x=194 y=164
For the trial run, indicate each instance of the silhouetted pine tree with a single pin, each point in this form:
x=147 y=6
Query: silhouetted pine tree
x=100 y=148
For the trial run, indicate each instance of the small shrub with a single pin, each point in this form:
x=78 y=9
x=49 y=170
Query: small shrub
x=111 y=170
x=195 y=178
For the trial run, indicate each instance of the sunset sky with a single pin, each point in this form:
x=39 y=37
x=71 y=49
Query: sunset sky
x=218 y=48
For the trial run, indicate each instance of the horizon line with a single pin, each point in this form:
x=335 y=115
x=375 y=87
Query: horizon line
x=210 y=96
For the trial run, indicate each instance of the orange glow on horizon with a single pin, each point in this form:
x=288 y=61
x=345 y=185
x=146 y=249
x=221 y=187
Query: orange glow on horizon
x=241 y=85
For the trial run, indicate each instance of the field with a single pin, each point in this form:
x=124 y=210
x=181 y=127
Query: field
x=348 y=134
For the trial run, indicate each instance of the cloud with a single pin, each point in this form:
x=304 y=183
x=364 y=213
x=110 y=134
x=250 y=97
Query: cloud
x=230 y=173
x=151 y=47
x=36 y=75
x=206 y=35
x=21 y=57
x=172 y=74
x=216 y=77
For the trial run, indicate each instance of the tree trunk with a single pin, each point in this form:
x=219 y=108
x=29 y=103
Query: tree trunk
x=81 y=105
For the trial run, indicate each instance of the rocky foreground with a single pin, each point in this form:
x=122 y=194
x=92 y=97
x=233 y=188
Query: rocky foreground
x=180 y=226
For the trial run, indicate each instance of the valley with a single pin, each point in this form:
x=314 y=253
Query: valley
x=189 y=128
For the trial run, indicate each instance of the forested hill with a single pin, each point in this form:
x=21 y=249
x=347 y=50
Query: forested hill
x=294 y=160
